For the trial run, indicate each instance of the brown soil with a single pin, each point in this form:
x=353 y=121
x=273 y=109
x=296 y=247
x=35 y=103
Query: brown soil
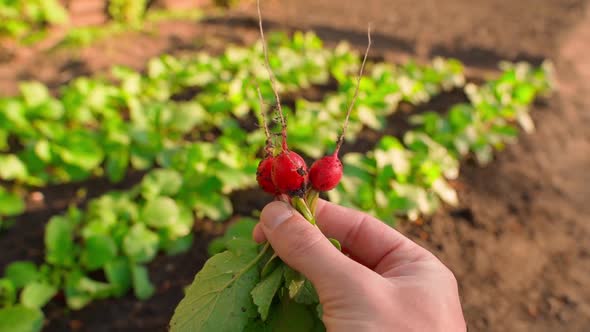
x=519 y=242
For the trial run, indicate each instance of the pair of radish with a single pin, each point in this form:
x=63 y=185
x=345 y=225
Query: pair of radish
x=287 y=173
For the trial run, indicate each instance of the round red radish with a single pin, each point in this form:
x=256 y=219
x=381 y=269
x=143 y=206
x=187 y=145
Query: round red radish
x=325 y=173
x=263 y=175
x=289 y=173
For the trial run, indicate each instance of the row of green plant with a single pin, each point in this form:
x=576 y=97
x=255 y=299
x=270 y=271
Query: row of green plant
x=410 y=177
x=96 y=127
x=28 y=21
x=22 y=18
x=99 y=128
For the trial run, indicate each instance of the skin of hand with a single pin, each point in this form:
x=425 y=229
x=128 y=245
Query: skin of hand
x=383 y=282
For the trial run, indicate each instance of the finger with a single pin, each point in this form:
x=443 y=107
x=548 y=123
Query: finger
x=372 y=243
x=258 y=233
x=304 y=248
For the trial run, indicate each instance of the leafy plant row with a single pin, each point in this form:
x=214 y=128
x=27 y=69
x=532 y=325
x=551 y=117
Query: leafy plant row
x=19 y=18
x=410 y=177
x=30 y=19
x=98 y=128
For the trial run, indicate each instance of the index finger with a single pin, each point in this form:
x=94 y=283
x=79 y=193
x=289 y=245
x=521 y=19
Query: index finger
x=373 y=243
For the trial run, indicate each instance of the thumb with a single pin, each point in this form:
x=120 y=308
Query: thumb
x=304 y=248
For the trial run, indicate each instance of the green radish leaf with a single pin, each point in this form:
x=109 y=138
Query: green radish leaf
x=118 y=273
x=12 y=168
x=178 y=245
x=37 y=294
x=217 y=246
x=161 y=182
x=10 y=204
x=257 y=325
x=265 y=291
x=7 y=293
x=117 y=162
x=291 y=316
x=34 y=93
x=4 y=146
x=43 y=150
x=142 y=286
x=81 y=149
x=219 y=298
x=336 y=243
x=140 y=244
x=242 y=228
x=21 y=273
x=182 y=226
x=59 y=241
x=97 y=251
x=21 y=319
x=214 y=206
x=239 y=245
x=160 y=212
x=300 y=289
x=81 y=290
x=186 y=116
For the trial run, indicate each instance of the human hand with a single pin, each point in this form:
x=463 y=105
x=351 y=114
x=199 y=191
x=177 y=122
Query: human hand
x=387 y=282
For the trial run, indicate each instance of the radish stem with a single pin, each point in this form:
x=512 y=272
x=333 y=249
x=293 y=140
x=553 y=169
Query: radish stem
x=269 y=145
x=271 y=77
x=356 y=91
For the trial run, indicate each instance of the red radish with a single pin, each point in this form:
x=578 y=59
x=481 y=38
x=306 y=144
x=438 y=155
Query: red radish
x=325 y=173
x=289 y=173
x=263 y=175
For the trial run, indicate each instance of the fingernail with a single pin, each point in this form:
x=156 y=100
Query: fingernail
x=275 y=214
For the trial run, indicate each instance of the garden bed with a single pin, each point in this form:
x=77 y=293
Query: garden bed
x=517 y=242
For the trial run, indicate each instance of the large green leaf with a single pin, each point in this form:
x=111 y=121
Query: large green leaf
x=161 y=182
x=291 y=316
x=81 y=290
x=34 y=93
x=265 y=291
x=21 y=273
x=59 y=241
x=10 y=204
x=21 y=319
x=7 y=293
x=214 y=206
x=118 y=273
x=219 y=298
x=12 y=168
x=81 y=149
x=241 y=228
x=97 y=251
x=142 y=286
x=117 y=162
x=160 y=212
x=37 y=294
x=300 y=288
x=140 y=244
x=176 y=246
x=185 y=116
